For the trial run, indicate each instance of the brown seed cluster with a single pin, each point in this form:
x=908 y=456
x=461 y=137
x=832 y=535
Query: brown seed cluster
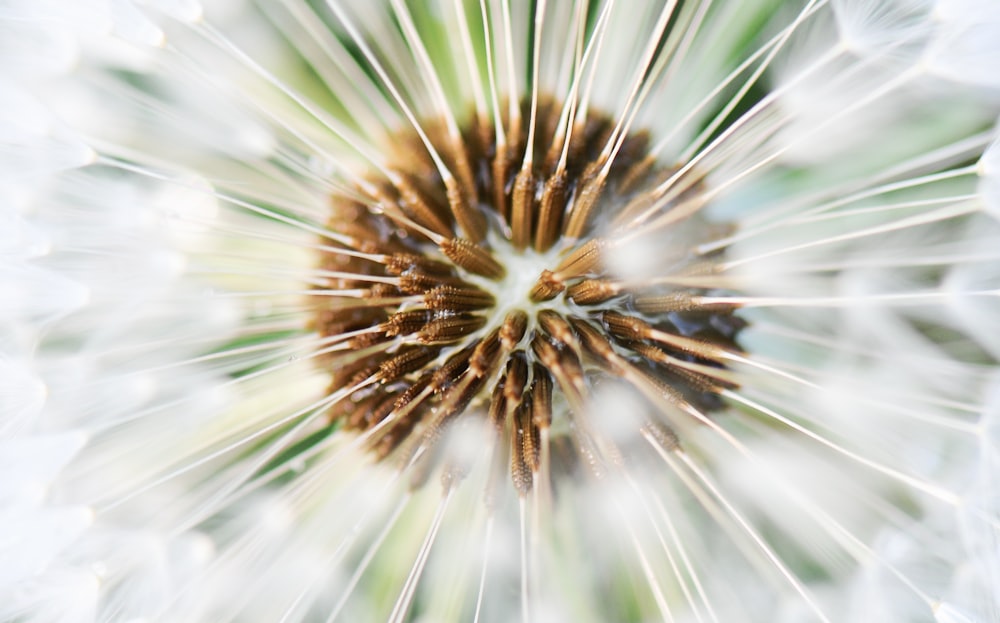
x=414 y=316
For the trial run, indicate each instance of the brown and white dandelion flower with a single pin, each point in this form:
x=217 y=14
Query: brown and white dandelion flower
x=500 y=310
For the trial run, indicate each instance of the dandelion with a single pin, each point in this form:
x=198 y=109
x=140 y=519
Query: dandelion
x=500 y=310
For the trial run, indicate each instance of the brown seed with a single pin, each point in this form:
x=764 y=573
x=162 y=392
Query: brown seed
x=418 y=207
x=665 y=303
x=366 y=340
x=551 y=208
x=584 y=260
x=472 y=258
x=470 y=220
x=541 y=397
x=383 y=291
x=517 y=377
x=522 y=208
x=597 y=345
x=399 y=263
x=588 y=194
x=413 y=282
x=454 y=299
x=379 y=410
x=563 y=365
x=530 y=439
x=407 y=322
x=637 y=172
x=545 y=351
x=593 y=291
x=520 y=468
x=457 y=397
x=498 y=406
x=501 y=168
x=485 y=354
x=547 y=287
x=513 y=328
x=555 y=325
x=630 y=328
x=699 y=381
x=410 y=393
x=449 y=373
x=450 y=328
x=626 y=327
x=407 y=360
x=663 y=435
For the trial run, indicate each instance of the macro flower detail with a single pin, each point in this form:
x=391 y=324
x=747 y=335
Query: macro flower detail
x=499 y=310
x=442 y=323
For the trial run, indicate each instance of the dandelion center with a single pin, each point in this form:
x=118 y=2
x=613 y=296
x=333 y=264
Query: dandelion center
x=488 y=278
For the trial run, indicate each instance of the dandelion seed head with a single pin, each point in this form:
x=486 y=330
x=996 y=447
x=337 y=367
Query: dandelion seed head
x=488 y=278
x=498 y=311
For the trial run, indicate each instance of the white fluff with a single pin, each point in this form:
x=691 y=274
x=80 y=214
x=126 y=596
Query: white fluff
x=989 y=179
x=965 y=46
x=876 y=27
x=33 y=462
